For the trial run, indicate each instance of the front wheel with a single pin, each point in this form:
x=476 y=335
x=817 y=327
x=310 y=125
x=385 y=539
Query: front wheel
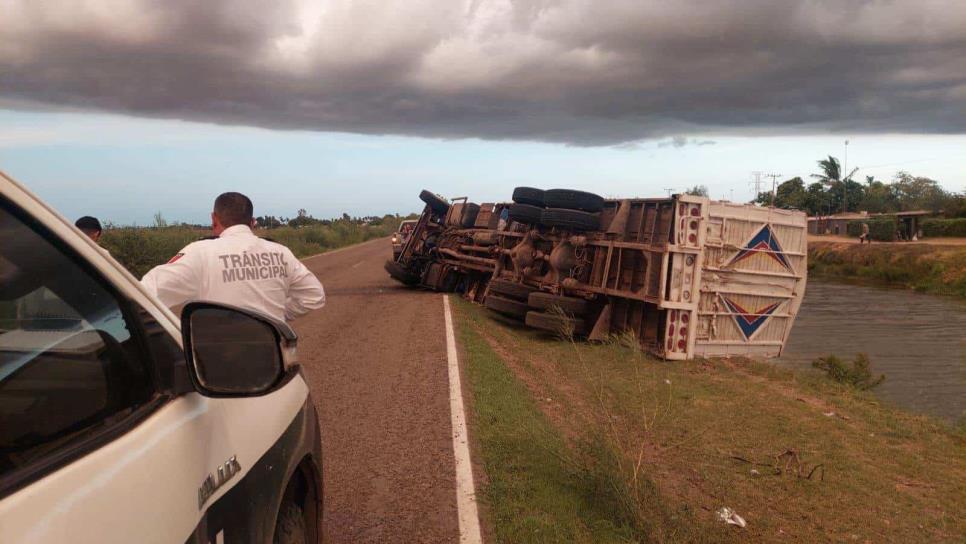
x=290 y=527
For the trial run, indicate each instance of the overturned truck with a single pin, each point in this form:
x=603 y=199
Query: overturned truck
x=687 y=276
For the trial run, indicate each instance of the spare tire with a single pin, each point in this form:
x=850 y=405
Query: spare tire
x=555 y=323
x=470 y=211
x=570 y=305
x=528 y=195
x=525 y=213
x=573 y=200
x=569 y=219
x=437 y=204
x=506 y=306
x=510 y=289
x=400 y=274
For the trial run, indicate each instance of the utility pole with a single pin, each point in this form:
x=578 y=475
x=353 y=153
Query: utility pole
x=845 y=181
x=669 y=191
x=774 y=178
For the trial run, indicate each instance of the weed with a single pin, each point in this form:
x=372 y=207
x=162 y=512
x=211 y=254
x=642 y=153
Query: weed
x=858 y=376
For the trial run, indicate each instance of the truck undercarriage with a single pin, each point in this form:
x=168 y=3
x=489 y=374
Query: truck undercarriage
x=685 y=275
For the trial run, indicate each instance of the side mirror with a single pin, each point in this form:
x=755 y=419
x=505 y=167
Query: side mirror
x=232 y=352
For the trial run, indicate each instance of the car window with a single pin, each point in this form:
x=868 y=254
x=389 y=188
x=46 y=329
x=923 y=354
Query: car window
x=69 y=357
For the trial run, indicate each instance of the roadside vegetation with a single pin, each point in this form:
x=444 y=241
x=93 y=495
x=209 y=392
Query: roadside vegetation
x=141 y=248
x=601 y=443
x=935 y=269
x=832 y=190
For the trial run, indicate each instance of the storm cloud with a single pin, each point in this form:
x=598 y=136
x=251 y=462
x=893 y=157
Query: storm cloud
x=580 y=72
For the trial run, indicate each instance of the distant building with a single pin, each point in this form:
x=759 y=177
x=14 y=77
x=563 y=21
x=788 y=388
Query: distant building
x=837 y=224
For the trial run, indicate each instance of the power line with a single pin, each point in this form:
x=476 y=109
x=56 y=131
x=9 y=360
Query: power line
x=757 y=182
x=669 y=191
x=774 y=182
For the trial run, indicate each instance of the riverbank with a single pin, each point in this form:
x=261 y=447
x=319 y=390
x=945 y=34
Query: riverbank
x=601 y=443
x=930 y=268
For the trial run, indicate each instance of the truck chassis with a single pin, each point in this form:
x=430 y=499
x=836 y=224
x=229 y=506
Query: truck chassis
x=685 y=275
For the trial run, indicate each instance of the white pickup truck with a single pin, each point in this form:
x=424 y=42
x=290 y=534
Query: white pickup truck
x=120 y=422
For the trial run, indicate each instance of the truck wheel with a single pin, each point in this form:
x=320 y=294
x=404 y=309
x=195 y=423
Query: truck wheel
x=570 y=305
x=400 y=274
x=569 y=219
x=506 y=306
x=438 y=205
x=511 y=289
x=573 y=200
x=555 y=323
x=525 y=213
x=290 y=526
x=470 y=211
x=528 y=195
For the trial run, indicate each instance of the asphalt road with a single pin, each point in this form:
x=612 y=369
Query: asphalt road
x=375 y=359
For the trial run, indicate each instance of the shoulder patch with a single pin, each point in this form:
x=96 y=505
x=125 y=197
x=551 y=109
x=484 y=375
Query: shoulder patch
x=176 y=257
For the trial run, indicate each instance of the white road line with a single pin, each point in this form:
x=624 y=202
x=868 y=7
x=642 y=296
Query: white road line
x=469 y=518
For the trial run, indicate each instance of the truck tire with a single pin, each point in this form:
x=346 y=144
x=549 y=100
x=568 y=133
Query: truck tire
x=570 y=305
x=470 y=211
x=290 y=526
x=573 y=200
x=528 y=195
x=437 y=204
x=400 y=274
x=555 y=323
x=569 y=219
x=510 y=289
x=506 y=306
x=525 y=213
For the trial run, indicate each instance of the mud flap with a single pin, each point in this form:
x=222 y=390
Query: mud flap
x=601 y=329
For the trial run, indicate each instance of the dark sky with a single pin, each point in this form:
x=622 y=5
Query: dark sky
x=579 y=72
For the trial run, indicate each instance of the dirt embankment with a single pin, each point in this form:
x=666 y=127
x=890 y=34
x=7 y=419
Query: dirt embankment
x=930 y=268
x=600 y=443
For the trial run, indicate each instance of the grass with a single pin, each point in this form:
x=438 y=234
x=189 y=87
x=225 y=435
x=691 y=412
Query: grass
x=141 y=248
x=926 y=268
x=531 y=494
x=652 y=450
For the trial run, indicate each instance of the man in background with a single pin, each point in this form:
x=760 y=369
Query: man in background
x=90 y=226
x=237 y=268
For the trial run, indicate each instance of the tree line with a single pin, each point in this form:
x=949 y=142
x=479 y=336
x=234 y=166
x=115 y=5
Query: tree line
x=832 y=192
x=304 y=219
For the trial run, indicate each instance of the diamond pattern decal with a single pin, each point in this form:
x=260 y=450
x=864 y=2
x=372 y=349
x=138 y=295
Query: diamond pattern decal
x=749 y=322
x=763 y=242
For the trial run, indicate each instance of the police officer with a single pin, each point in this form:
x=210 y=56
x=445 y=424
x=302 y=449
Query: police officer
x=237 y=268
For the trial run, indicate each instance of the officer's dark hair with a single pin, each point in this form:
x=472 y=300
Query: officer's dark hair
x=234 y=209
x=88 y=224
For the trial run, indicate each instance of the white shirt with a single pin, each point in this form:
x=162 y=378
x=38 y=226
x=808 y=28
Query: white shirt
x=240 y=269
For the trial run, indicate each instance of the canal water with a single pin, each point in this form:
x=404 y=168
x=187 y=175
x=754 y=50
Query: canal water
x=918 y=341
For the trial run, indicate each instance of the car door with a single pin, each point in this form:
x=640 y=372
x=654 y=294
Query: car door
x=99 y=442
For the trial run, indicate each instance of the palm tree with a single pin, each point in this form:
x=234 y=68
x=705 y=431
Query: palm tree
x=831 y=176
x=832 y=171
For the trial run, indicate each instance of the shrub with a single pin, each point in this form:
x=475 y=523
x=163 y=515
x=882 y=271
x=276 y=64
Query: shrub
x=858 y=376
x=882 y=228
x=944 y=227
x=140 y=249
